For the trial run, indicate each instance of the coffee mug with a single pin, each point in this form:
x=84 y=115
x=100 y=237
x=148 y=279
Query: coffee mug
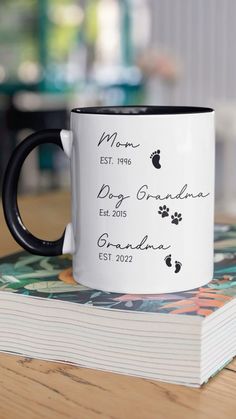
x=142 y=197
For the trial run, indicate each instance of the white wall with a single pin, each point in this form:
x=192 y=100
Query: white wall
x=201 y=34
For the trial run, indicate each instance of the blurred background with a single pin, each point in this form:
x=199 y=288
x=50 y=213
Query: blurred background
x=58 y=54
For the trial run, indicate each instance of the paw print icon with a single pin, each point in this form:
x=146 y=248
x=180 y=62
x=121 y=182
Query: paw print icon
x=164 y=211
x=176 y=218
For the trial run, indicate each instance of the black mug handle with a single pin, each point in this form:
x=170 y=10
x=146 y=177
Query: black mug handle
x=9 y=195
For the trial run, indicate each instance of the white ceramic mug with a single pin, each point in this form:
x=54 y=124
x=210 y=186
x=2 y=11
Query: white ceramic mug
x=142 y=197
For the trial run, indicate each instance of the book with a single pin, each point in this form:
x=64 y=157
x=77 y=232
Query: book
x=184 y=337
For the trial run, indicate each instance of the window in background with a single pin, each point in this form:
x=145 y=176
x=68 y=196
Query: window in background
x=18 y=42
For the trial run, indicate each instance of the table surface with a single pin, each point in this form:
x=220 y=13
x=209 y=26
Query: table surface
x=39 y=389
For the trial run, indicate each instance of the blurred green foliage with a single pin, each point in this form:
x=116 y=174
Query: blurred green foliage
x=18 y=34
x=41 y=32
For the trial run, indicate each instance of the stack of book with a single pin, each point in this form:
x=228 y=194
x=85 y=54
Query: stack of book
x=182 y=338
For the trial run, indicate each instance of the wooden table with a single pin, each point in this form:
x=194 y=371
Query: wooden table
x=39 y=389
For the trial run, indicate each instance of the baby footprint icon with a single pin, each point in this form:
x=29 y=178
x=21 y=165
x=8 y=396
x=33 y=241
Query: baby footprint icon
x=155 y=156
x=177 y=266
x=168 y=260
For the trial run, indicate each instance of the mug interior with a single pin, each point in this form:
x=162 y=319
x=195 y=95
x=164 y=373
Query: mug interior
x=143 y=110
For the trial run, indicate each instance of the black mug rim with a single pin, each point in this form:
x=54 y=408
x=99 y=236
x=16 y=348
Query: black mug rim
x=142 y=110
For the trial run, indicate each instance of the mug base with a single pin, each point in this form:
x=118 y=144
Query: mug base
x=146 y=291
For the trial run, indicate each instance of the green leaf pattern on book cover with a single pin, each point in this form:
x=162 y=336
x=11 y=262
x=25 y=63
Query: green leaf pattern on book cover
x=51 y=277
